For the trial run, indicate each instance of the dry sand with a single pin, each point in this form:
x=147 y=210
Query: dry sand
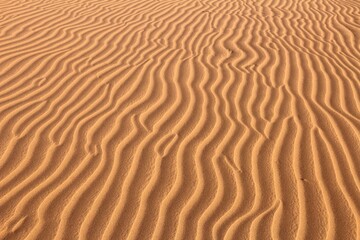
x=179 y=119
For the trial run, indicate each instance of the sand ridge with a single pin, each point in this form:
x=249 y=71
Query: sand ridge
x=180 y=119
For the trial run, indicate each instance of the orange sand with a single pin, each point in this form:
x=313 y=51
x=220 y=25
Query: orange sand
x=180 y=119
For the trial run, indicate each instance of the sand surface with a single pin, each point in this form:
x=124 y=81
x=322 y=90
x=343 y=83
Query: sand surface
x=179 y=119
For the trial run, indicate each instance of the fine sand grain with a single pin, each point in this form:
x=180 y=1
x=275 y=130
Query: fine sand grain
x=179 y=119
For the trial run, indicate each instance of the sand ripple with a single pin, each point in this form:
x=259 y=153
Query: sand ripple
x=186 y=119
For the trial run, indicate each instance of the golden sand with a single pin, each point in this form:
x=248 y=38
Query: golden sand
x=180 y=119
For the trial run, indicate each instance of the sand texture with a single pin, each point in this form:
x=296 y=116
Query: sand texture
x=179 y=119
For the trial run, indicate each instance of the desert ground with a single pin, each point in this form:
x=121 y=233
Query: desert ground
x=179 y=119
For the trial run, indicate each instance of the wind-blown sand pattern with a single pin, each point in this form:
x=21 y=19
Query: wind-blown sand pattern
x=180 y=119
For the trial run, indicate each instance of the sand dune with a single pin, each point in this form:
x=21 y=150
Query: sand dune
x=180 y=119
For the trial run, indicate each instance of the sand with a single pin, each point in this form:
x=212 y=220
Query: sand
x=180 y=119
